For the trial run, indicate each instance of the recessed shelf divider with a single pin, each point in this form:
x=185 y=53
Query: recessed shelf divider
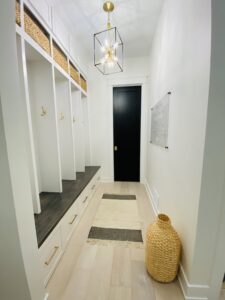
x=28 y=127
x=86 y=131
x=65 y=126
x=78 y=129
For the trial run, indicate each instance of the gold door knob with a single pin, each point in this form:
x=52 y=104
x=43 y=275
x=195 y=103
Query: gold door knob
x=115 y=148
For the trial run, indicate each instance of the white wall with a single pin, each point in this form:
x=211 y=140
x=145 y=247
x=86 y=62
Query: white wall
x=180 y=63
x=100 y=108
x=209 y=260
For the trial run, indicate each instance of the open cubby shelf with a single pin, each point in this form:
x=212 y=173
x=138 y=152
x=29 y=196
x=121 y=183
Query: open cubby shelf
x=60 y=57
x=36 y=31
x=83 y=83
x=54 y=110
x=45 y=39
x=18 y=15
x=74 y=73
x=65 y=126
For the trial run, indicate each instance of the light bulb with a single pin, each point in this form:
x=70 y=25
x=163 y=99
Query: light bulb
x=115 y=46
x=103 y=49
x=103 y=60
x=110 y=64
x=106 y=42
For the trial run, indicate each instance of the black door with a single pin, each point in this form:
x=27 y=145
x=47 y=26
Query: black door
x=126 y=125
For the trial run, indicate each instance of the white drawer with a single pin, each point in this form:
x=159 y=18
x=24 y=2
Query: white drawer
x=90 y=189
x=98 y=176
x=50 y=254
x=84 y=199
x=94 y=183
x=69 y=221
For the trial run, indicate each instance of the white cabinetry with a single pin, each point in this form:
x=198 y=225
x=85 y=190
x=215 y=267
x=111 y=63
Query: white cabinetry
x=53 y=100
x=54 y=246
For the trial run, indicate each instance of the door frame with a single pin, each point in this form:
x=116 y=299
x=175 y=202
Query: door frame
x=128 y=82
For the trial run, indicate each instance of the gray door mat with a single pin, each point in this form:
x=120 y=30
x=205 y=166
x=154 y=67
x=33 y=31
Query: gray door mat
x=118 y=197
x=114 y=234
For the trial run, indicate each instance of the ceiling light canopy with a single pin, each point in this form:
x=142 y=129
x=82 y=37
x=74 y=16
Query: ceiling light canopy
x=108 y=47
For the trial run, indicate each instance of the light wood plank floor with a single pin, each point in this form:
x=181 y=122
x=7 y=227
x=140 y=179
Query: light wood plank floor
x=97 y=272
x=222 y=295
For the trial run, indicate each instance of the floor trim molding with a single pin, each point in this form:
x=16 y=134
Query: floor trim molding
x=106 y=179
x=151 y=198
x=190 y=291
x=46 y=296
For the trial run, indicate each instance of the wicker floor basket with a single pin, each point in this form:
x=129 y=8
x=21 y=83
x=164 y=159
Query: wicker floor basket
x=163 y=250
x=83 y=84
x=74 y=73
x=60 y=57
x=18 y=19
x=35 y=30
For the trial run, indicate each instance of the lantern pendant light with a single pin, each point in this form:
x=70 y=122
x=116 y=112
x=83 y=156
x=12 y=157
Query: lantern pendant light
x=108 y=47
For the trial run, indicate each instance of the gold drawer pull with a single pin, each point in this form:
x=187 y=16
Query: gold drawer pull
x=85 y=199
x=93 y=187
x=74 y=218
x=51 y=257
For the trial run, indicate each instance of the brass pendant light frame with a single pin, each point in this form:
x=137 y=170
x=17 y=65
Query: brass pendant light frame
x=108 y=7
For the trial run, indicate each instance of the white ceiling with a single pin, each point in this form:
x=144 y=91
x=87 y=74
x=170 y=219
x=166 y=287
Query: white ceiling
x=136 y=21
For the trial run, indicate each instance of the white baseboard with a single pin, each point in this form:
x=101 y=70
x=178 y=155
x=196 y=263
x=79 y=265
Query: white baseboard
x=151 y=198
x=190 y=291
x=106 y=179
x=46 y=296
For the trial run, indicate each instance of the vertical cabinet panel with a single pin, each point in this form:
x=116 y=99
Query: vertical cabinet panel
x=28 y=126
x=78 y=129
x=64 y=115
x=43 y=113
x=86 y=131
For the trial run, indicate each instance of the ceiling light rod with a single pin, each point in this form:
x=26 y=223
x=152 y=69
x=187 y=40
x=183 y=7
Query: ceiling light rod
x=108 y=7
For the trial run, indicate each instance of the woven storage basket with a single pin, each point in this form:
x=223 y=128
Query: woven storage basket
x=60 y=57
x=163 y=248
x=18 y=19
x=36 y=31
x=74 y=73
x=83 y=83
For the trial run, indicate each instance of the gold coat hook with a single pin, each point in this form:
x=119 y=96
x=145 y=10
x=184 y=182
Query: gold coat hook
x=43 y=111
x=62 y=116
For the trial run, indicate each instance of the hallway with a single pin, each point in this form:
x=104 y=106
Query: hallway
x=99 y=100
x=111 y=271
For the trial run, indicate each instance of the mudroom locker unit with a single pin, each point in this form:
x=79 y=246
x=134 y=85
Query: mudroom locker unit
x=56 y=119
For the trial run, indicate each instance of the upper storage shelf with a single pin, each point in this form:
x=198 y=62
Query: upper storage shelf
x=60 y=57
x=31 y=27
x=74 y=73
x=18 y=18
x=35 y=30
x=83 y=83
